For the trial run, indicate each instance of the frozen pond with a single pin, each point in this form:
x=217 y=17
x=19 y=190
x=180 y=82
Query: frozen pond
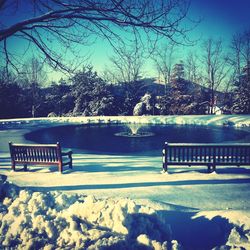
x=103 y=139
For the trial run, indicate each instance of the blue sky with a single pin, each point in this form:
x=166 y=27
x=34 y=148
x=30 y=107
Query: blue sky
x=221 y=19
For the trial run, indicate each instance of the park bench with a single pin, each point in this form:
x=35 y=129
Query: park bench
x=211 y=155
x=41 y=154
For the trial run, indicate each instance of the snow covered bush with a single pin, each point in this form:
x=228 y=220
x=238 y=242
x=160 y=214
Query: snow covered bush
x=55 y=220
x=145 y=106
x=52 y=114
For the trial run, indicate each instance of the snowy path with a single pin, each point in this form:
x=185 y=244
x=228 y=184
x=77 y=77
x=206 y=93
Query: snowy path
x=203 y=210
x=140 y=178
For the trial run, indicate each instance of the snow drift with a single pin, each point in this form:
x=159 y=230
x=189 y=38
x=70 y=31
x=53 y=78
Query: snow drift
x=56 y=220
x=38 y=220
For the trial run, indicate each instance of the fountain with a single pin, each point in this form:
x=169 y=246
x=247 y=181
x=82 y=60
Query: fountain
x=134 y=131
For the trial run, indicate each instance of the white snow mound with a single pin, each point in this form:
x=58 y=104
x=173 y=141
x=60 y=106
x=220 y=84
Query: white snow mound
x=59 y=220
x=55 y=220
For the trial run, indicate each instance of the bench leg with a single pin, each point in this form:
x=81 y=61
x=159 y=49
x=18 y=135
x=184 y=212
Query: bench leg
x=25 y=167
x=164 y=167
x=70 y=163
x=210 y=168
x=60 y=167
x=13 y=166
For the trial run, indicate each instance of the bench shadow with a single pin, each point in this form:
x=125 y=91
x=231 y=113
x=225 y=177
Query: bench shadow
x=36 y=168
x=141 y=184
x=5 y=159
x=188 y=170
x=233 y=170
x=91 y=168
x=132 y=164
x=94 y=168
x=219 y=170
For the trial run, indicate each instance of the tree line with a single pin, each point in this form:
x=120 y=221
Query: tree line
x=181 y=88
x=137 y=30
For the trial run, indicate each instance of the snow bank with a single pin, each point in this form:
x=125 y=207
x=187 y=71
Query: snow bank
x=57 y=220
x=218 y=120
x=53 y=220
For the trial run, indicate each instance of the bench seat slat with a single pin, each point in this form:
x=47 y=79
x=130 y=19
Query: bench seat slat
x=202 y=163
x=49 y=155
x=247 y=155
x=37 y=162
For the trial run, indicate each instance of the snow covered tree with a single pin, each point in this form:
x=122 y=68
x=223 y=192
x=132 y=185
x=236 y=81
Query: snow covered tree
x=163 y=104
x=178 y=71
x=240 y=59
x=92 y=96
x=14 y=100
x=179 y=94
x=182 y=100
x=58 y=99
x=145 y=106
x=132 y=93
x=241 y=96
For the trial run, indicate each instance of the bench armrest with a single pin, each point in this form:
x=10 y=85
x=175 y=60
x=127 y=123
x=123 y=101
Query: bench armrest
x=67 y=153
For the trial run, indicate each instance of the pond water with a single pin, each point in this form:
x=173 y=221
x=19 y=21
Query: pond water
x=102 y=139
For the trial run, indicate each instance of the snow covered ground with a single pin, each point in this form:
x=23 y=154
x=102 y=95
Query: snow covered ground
x=123 y=202
x=233 y=120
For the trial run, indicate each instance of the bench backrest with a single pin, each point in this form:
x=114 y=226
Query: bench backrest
x=49 y=153
x=207 y=153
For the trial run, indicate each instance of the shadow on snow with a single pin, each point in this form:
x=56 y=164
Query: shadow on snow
x=141 y=184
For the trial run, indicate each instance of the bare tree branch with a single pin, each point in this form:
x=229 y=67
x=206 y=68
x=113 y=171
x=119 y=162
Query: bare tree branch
x=163 y=59
x=216 y=67
x=127 y=64
x=76 y=21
